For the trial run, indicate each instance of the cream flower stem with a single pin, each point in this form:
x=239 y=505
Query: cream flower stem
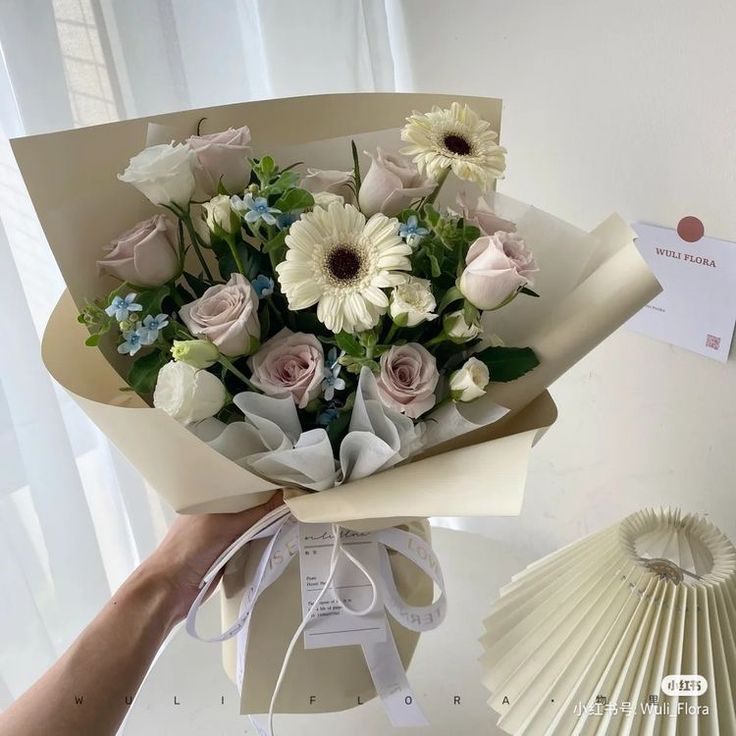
x=440 y=181
x=437 y=340
x=225 y=363
x=391 y=333
x=186 y=218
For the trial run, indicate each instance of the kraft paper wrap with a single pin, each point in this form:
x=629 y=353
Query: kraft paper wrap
x=337 y=677
x=591 y=283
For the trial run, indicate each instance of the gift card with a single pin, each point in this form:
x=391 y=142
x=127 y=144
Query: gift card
x=697 y=307
x=331 y=624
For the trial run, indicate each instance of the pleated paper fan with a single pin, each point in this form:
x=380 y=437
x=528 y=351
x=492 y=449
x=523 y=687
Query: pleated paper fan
x=581 y=641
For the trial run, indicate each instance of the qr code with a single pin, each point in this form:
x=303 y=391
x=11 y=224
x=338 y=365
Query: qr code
x=713 y=342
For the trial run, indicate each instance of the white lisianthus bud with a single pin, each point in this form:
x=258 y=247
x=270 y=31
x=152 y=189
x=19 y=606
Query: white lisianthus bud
x=414 y=299
x=188 y=394
x=325 y=199
x=197 y=353
x=219 y=213
x=458 y=330
x=470 y=381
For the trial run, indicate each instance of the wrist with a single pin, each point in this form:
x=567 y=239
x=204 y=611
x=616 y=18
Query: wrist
x=150 y=589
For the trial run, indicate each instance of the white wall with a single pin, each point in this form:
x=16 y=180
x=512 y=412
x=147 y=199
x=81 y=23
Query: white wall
x=626 y=106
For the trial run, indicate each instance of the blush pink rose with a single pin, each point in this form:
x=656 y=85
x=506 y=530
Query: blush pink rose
x=408 y=379
x=290 y=364
x=391 y=184
x=145 y=255
x=480 y=216
x=332 y=181
x=224 y=154
x=496 y=267
x=227 y=315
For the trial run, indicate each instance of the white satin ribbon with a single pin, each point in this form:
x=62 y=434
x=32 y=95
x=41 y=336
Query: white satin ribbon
x=384 y=663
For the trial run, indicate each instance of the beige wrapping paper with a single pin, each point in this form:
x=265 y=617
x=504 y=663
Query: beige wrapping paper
x=337 y=678
x=82 y=206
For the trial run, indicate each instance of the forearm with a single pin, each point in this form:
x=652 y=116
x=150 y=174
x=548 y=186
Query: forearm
x=89 y=690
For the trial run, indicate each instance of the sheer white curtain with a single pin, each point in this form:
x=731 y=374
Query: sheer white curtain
x=74 y=516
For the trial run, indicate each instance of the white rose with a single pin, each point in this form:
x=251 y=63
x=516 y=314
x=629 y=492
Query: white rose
x=458 y=330
x=164 y=173
x=470 y=381
x=187 y=394
x=219 y=213
x=413 y=299
x=325 y=199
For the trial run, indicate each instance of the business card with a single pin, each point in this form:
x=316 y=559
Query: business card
x=697 y=307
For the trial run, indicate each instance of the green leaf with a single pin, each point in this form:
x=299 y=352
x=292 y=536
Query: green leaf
x=265 y=169
x=356 y=165
x=349 y=344
x=144 y=371
x=151 y=299
x=433 y=217
x=435 y=266
x=508 y=364
x=92 y=341
x=528 y=292
x=276 y=243
x=453 y=294
x=294 y=199
x=221 y=187
x=471 y=313
x=197 y=285
x=285 y=180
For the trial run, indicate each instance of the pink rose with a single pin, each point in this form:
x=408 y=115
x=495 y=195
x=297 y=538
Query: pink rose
x=408 y=379
x=227 y=315
x=145 y=255
x=329 y=180
x=496 y=267
x=480 y=216
x=225 y=155
x=391 y=184
x=290 y=364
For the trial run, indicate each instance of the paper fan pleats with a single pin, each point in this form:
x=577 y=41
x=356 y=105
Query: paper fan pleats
x=581 y=641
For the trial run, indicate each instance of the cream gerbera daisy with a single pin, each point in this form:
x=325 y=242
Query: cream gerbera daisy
x=458 y=139
x=341 y=263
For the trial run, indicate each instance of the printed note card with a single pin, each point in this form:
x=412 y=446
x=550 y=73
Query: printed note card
x=697 y=307
x=330 y=624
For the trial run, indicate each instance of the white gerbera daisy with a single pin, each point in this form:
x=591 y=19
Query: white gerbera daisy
x=458 y=139
x=340 y=262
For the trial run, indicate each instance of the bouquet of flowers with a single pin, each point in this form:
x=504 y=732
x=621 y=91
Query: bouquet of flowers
x=352 y=329
x=319 y=319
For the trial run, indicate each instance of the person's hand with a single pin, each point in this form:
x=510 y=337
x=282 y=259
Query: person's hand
x=190 y=548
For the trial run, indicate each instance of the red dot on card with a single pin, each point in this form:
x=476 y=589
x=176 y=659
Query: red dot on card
x=690 y=229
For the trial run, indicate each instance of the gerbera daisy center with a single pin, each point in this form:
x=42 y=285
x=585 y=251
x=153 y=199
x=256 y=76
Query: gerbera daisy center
x=344 y=263
x=457 y=144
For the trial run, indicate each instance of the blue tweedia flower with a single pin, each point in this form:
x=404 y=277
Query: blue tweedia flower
x=263 y=285
x=328 y=416
x=258 y=209
x=151 y=326
x=332 y=381
x=121 y=307
x=411 y=232
x=133 y=342
x=286 y=219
